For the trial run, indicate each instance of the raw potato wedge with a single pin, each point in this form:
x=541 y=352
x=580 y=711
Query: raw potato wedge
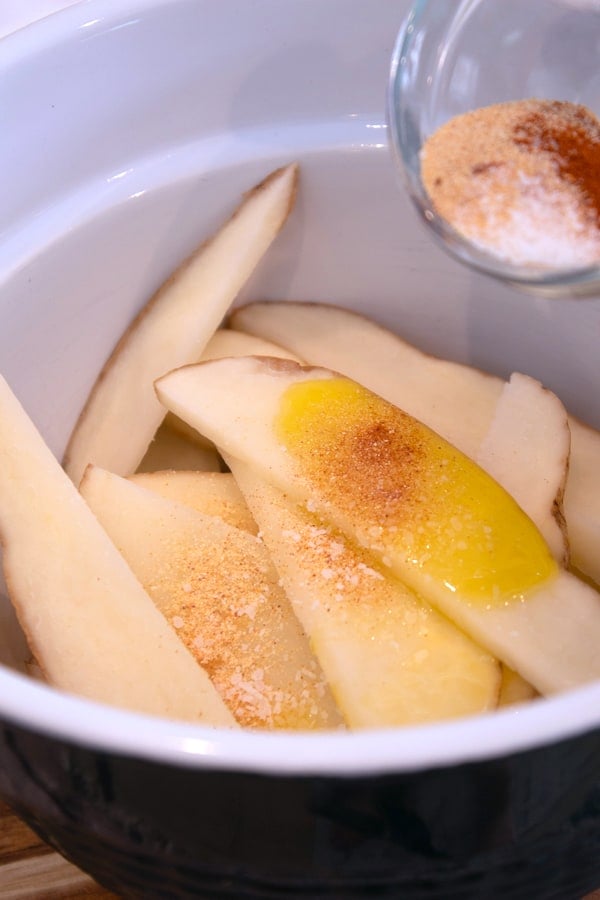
x=437 y=520
x=582 y=500
x=217 y=587
x=455 y=400
x=223 y=343
x=210 y=493
x=226 y=342
x=122 y=413
x=514 y=689
x=355 y=669
x=526 y=449
x=89 y=623
x=432 y=672
x=390 y=660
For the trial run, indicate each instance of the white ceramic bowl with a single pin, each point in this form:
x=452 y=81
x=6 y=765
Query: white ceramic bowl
x=129 y=130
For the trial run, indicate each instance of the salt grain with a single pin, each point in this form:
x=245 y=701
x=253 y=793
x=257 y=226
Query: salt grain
x=520 y=180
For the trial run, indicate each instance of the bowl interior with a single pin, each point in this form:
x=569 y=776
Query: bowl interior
x=81 y=255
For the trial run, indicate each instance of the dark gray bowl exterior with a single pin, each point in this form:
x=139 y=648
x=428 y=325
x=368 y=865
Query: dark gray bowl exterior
x=525 y=827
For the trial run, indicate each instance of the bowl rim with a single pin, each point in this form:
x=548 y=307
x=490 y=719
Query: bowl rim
x=38 y=708
x=44 y=710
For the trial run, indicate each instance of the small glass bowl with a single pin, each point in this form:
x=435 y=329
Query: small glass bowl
x=452 y=56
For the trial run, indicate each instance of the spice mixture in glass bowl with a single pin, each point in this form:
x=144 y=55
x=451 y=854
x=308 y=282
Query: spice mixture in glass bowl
x=492 y=111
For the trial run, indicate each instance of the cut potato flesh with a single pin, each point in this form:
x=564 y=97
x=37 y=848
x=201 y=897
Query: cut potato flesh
x=526 y=449
x=582 y=500
x=514 y=689
x=88 y=621
x=210 y=493
x=437 y=520
x=455 y=400
x=217 y=587
x=223 y=343
x=429 y=671
x=389 y=659
x=122 y=414
x=171 y=448
x=226 y=342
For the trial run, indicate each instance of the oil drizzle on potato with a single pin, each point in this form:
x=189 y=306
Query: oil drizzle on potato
x=420 y=498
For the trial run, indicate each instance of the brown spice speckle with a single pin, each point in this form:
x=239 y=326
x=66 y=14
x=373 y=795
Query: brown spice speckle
x=521 y=180
x=253 y=663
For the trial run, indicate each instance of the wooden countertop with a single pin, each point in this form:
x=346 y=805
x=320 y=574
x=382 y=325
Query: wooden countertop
x=30 y=870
